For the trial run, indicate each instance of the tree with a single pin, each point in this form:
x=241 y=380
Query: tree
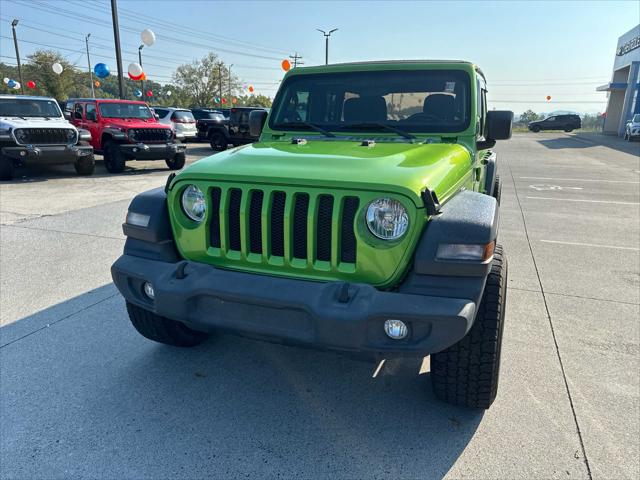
x=254 y=101
x=528 y=116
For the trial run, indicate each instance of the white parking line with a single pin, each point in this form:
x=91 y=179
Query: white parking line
x=616 y=247
x=579 y=180
x=585 y=201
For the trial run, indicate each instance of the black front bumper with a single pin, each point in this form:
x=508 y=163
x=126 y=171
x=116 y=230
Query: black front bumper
x=294 y=311
x=152 y=151
x=47 y=154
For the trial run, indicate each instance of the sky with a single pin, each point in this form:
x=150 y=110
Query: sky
x=528 y=50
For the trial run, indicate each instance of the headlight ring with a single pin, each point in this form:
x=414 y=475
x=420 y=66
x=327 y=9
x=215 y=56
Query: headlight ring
x=193 y=203
x=387 y=219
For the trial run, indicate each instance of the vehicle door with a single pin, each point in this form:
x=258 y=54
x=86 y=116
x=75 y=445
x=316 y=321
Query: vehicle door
x=234 y=122
x=91 y=124
x=243 y=126
x=77 y=115
x=550 y=123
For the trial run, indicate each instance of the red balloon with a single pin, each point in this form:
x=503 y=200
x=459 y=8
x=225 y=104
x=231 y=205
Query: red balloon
x=286 y=65
x=224 y=100
x=31 y=84
x=548 y=97
x=251 y=88
x=149 y=93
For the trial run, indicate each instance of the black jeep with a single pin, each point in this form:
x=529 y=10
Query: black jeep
x=567 y=123
x=221 y=131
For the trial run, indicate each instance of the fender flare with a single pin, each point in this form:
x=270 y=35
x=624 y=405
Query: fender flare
x=490 y=177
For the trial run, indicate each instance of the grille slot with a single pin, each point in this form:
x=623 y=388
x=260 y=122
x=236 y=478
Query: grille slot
x=277 y=224
x=235 y=197
x=300 y=215
x=214 y=225
x=44 y=136
x=323 y=228
x=348 y=244
x=150 y=135
x=255 y=221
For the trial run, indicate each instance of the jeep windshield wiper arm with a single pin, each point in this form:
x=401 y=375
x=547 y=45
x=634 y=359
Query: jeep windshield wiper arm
x=310 y=125
x=384 y=126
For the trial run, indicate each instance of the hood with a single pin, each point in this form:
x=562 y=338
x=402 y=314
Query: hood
x=403 y=168
x=127 y=123
x=34 y=122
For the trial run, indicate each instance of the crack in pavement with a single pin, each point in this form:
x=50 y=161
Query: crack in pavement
x=66 y=232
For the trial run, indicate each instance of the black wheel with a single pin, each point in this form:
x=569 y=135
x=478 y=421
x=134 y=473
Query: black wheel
x=114 y=160
x=218 y=141
x=85 y=165
x=467 y=373
x=162 y=329
x=535 y=129
x=568 y=130
x=6 y=168
x=497 y=189
x=177 y=162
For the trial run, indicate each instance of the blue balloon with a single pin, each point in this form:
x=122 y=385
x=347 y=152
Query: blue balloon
x=137 y=93
x=11 y=83
x=101 y=70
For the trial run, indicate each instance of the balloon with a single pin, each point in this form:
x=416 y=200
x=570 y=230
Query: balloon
x=548 y=97
x=286 y=65
x=144 y=76
x=16 y=86
x=5 y=80
x=135 y=71
x=148 y=37
x=224 y=100
x=31 y=84
x=138 y=93
x=11 y=83
x=97 y=83
x=234 y=100
x=101 y=70
x=57 y=68
x=149 y=93
x=250 y=88
x=216 y=100
x=168 y=93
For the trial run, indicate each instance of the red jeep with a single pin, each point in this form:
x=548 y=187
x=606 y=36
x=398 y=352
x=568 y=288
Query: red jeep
x=125 y=130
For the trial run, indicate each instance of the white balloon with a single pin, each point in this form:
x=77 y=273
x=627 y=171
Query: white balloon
x=135 y=69
x=5 y=80
x=148 y=37
x=17 y=86
x=57 y=68
x=168 y=93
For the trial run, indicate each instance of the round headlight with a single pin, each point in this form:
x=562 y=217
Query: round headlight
x=193 y=203
x=71 y=134
x=387 y=218
x=21 y=135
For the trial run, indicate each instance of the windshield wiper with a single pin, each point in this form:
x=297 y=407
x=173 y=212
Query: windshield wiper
x=384 y=126
x=310 y=125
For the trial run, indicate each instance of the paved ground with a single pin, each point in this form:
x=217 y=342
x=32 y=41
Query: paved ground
x=82 y=395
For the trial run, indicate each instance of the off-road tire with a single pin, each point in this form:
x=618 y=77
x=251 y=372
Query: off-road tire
x=162 y=329
x=114 y=159
x=467 y=373
x=535 y=129
x=218 y=141
x=7 y=168
x=85 y=165
x=177 y=162
x=568 y=130
x=497 y=189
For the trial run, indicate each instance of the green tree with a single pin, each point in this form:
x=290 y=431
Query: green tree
x=254 y=101
x=528 y=116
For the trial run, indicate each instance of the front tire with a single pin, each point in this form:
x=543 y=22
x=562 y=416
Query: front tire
x=162 y=329
x=535 y=129
x=114 y=160
x=467 y=373
x=177 y=162
x=7 y=168
x=85 y=165
x=218 y=141
x=568 y=130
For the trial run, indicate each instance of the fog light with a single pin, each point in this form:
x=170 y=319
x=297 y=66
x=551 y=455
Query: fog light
x=23 y=153
x=148 y=290
x=395 y=329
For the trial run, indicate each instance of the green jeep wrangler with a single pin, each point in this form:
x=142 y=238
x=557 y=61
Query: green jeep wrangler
x=364 y=220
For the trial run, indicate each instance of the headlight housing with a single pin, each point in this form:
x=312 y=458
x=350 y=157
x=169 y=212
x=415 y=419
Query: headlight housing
x=71 y=135
x=21 y=135
x=387 y=218
x=193 y=203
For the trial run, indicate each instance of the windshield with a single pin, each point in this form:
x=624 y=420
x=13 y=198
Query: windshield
x=22 y=107
x=125 y=110
x=636 y=118
x=183 y=116
x=414 y=101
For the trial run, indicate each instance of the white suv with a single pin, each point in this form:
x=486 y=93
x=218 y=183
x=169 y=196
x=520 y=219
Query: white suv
x=33 y=130
x=632 y=130
x=180 y=119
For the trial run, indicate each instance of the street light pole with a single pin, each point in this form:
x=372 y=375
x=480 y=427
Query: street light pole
x=220 y=83
x=140 y=61
x=86 y=40
x=326 y=43
x=116 y=39
x=230 y=99
x=15 y=42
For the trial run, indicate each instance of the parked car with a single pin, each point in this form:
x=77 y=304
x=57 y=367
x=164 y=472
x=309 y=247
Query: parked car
x=567 y=123
x=200 y=113
x=632 y=129
x=220 y=132
x=358 y=223
x=180 y=119
x=34 y=131
x=125 y=130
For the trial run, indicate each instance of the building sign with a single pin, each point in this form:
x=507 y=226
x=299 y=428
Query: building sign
x=628 y=46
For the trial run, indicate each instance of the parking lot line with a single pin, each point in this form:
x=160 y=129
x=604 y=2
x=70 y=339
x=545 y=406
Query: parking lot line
x=580 y=244
x=583 y=200
x=579 y=180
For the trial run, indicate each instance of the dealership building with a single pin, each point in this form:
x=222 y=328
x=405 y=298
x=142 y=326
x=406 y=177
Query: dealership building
x=624 y=100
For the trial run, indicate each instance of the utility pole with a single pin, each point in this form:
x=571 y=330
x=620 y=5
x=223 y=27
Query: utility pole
x=86 y=40
x=140 y=61
x=326 y=43
x=15 y=42
x=230 y=99
x=220 y=83
x=297 y=59
x=116 y=38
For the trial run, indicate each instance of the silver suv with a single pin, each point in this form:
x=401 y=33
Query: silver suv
x=180 y=119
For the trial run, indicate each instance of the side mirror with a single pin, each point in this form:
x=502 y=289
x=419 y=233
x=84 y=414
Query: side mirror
x=67 y=115
x=256 y=122
x=84 y=135
x=156 y=116
x=499 y=124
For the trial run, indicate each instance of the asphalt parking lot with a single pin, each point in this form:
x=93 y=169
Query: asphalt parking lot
x=82 y=395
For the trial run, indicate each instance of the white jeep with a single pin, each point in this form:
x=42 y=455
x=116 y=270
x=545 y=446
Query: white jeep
x=33 y=130
x=632 y=128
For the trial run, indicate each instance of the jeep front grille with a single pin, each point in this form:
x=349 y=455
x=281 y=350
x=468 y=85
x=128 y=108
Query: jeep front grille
x=150 y=135
x=308 y=230
x=45 y=136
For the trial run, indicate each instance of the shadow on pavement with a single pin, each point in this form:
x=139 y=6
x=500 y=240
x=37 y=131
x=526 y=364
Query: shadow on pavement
x=89 y=397
x=591 y=139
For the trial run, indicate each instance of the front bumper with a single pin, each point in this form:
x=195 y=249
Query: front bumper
x=152 y=151
x=294 y=311
x=47 y=154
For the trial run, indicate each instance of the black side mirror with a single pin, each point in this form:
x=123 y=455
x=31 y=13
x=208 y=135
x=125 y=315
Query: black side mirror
x=499 y=124
x=67 y=115
x=256 y=122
